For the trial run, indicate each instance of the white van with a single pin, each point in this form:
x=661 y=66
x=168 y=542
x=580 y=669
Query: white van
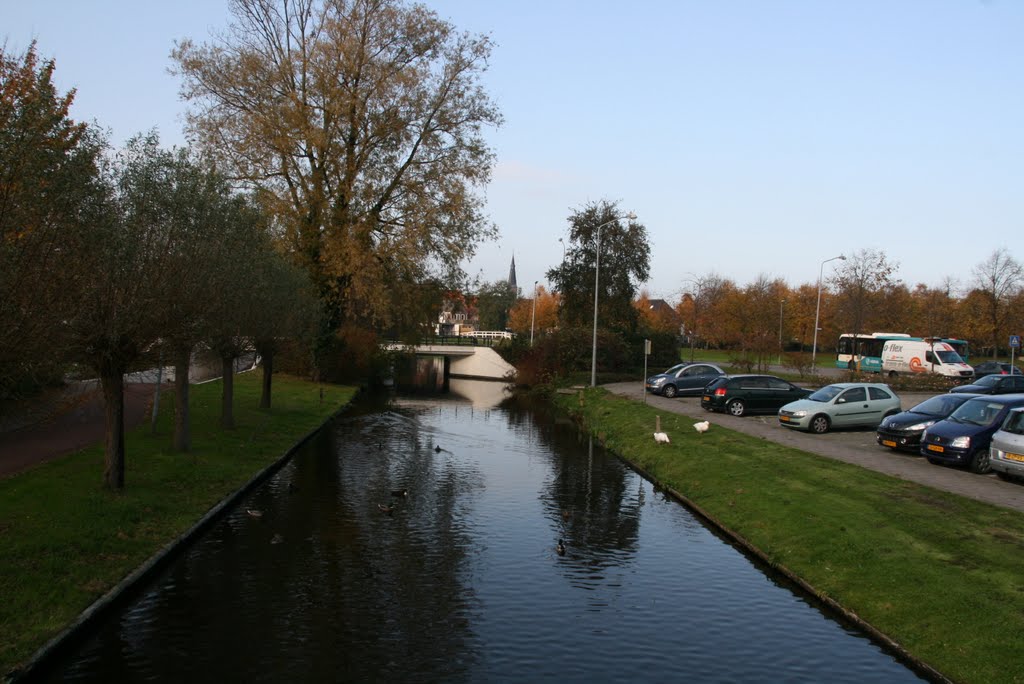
x=923 y=356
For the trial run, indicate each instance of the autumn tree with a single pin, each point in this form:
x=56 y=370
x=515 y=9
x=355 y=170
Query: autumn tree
x=656 y=316
x=542 y=318
x=625 y=263
x=997 y=280
x=361 y=124
x=47 y=183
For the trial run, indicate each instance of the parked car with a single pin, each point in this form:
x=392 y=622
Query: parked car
x=684 y=378
x=904 y=430
x=963 y=439
x=994 y=384
x=742 y=394
x=995 y=368
x=1006 y=452
x=844 y=404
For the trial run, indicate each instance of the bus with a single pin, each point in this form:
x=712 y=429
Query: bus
x=864 y=351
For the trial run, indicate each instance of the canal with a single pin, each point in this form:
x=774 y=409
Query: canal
x=416 y=539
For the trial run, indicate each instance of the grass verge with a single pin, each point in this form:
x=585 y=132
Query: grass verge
x=65 y=540
x=938 y=573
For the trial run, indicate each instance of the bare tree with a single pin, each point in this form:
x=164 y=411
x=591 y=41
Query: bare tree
x=997 y=280
x=861 y=284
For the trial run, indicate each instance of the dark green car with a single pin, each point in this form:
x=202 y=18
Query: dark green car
x=742 y=394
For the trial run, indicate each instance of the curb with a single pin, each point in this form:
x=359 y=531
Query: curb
x=76 y=631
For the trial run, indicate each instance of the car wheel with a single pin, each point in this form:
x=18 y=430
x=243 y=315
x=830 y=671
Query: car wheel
x=981 y=462
x=820 y=424
x=669 y=391
x=892 y=374
x=736 y=408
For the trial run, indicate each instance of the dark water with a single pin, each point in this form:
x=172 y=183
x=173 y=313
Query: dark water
x=462 y=582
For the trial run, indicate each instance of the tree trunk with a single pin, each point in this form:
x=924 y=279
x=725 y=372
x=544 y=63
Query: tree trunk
x=227 y=417
x=182 y=421
x=112 y=381
x=267 y=358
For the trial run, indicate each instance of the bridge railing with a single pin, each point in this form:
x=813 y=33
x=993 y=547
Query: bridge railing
x=479 y=338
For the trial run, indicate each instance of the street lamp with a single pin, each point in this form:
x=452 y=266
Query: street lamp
x=781 y=303
x=560 y=240
x=817 y=310
x=533 y=316
x=597 y=272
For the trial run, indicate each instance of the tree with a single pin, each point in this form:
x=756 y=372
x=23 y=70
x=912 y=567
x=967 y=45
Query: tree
x=543 y=317
x=360 y=122
x=861 y=284
x=116 y=301
x=625 y=263
x=493 y=302
x=47 y=181
x=997 y=280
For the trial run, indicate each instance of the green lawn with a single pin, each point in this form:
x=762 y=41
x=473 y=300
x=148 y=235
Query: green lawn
x=65 y=540
x=941 y=574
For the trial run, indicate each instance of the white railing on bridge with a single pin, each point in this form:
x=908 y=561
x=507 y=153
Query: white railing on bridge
x=489 y=334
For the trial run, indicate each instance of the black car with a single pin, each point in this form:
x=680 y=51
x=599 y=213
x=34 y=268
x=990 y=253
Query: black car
x=742 y=394
x=995 y=368
x=994 y=384
x=684 y=378
x=903 y=431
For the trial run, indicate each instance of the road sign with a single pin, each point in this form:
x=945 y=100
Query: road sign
x=1015 y=341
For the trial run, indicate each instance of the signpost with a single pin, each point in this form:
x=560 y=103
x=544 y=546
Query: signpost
x=1014 y=346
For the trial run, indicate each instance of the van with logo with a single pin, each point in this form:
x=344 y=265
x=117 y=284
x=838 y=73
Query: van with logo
x=929 y=355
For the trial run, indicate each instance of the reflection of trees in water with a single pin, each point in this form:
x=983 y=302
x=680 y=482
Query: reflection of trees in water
x=593 y=500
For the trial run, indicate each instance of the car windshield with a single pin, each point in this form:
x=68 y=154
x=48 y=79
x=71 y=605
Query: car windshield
x=949 y=357
x=673 y=369
x=941 y=406
x=978 y=411
x=827 y=393
x=1014 y=423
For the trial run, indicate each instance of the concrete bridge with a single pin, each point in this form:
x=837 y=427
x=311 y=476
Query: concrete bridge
x=463 y=361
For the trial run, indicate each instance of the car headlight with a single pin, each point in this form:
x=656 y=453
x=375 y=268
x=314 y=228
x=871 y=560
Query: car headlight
x=922 y=426
x=657 y=382
x=961 y=443
x=799 y=414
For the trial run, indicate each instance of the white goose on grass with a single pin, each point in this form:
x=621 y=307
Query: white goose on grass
x=659 y=436
x=702 y=426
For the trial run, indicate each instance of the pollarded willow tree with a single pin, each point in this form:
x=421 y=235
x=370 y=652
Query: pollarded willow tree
x=360 y=123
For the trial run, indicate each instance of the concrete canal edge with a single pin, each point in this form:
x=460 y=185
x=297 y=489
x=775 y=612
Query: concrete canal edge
x=77 y=631
x=894 y=647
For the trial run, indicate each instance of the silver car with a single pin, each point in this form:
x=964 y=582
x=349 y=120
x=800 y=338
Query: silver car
x=844 y=404
x=1007 y=449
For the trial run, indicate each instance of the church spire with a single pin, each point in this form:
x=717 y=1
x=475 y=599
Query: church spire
x=512 y=272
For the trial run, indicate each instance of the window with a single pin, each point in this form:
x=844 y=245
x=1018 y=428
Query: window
x=776 y=384
x=854 y=394
x=877 y=393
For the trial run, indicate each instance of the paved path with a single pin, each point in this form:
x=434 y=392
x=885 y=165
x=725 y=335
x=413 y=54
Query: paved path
x=852 y=446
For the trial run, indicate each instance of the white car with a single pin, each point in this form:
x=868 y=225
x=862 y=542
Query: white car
x=1007 y=449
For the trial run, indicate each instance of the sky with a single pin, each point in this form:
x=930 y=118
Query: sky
x=750 y=137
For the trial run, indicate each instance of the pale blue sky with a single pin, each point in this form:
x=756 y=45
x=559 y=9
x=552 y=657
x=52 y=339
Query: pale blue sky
x=749 y=136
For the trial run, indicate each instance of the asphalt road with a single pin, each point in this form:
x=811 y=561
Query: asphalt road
x=852 y=446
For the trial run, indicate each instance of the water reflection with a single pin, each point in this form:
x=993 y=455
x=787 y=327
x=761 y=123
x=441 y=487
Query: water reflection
x=462 y=580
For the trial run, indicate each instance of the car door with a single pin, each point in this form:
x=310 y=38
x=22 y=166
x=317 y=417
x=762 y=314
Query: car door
x=780 y=393
x=753 y=393
x=852 y=408
x=693 y=378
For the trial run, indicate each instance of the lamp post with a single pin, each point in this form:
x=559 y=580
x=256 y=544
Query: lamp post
x=562 y=242
x=533 y=316
x=597 y=273
x=817 y=310
x=781 y=303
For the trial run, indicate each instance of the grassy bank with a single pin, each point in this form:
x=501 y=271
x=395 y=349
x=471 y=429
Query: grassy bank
x=65 y=541
x=941 y=574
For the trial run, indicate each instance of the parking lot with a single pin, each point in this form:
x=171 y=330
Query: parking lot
x=856 y=446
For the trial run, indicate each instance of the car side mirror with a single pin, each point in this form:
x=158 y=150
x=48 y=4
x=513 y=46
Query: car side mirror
x=841 y=400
